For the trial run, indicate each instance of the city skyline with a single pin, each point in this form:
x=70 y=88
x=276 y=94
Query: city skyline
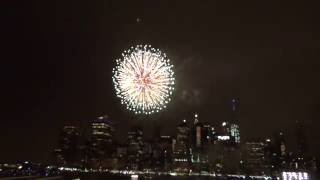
x=59 y=59
x=219 y=128
x=195 y=147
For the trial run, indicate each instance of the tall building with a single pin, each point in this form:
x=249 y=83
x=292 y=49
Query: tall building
x=230 y=131
x=199 y=138
x=235 y=132
x=301 y=139
x=135 y=147
x=234 y=122
x=181 y=156
x=165 y=151
x=225 y=128
x=268 y=151
x=101 y=143
x=183 y=134
x=66 y=152
x=255 y=157
x=280 y=144
x=224 y=135
x=208 y=134
x=197 y=133
x=279 y=153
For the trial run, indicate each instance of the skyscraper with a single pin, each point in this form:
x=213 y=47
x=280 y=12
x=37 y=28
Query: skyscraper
x=255 y=157
x=279 y=154
x=208 y=134
x=166 y=151
x=301 y=139
x=183 y=133
x=181 y=156
x=235 y=132
x=197 y=133
x=199 y=157
x=234 y=122
x=135 y=147
x=101 y=139
x=67 y=145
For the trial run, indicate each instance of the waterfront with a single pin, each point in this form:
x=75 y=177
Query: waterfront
x=115 y=177
x=108 y=176
x=119 y=177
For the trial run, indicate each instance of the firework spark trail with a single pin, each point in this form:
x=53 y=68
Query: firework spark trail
x=143 y=79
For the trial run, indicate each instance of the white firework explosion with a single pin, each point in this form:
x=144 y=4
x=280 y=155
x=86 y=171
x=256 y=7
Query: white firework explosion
x=143 y=79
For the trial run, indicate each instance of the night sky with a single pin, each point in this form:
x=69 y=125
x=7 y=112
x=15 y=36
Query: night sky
x=58 y=56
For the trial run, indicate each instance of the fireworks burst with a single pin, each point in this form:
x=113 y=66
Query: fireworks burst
x=143 y=79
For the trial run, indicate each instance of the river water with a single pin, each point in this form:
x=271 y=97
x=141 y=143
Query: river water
x=115 y=177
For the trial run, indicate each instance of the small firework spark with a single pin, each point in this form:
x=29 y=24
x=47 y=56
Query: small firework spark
x=143 y=79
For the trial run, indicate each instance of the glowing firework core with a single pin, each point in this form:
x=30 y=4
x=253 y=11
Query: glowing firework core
x=143 y=79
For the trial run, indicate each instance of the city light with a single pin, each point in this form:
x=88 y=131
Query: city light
x=295 y=176
x=134 y=177
x=144 y=79
x=180 y=154
x=223 y=138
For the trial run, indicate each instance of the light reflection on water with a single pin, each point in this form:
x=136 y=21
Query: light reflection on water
x=113 y=177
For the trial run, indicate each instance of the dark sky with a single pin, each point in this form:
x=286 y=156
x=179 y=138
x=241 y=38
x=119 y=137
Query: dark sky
x=58 y=58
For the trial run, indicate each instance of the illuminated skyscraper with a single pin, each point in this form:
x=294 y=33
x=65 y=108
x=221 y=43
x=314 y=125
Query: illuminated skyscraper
x=281 y=144
x=181 y=156
x=225 y=128
x=279 y=154
x=135 y=147
x=101 y=139
x=234 y=123
x=166 y=151
x=235 y=132
x=208 y=134
x=197 y=133
x=255 y=157
x=199 y=140
x=183 y=133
